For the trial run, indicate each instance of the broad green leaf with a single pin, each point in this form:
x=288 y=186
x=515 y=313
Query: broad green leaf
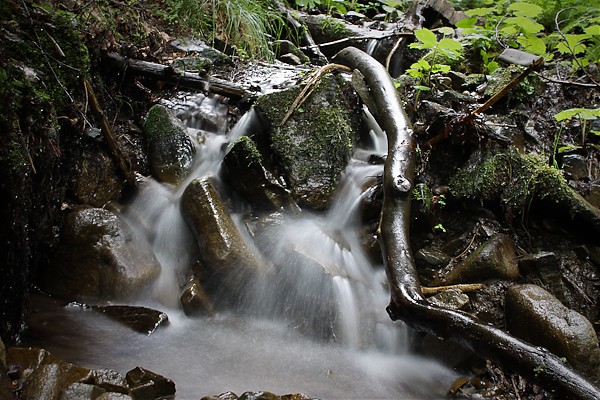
x=532 y=44
x=446 y=30
x=524 y=9
x=466 y=23
x=481 y=12
x=440 y=68
x=427 y=37
x=509 y=30
x=492 y=66
x=450 y=45
x=525 y=24
x=592 y=30
x=583 y=113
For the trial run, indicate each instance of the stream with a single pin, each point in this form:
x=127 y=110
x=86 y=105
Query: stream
x=327 y=336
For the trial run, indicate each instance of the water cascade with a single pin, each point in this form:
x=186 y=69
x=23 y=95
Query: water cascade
x=318 y=327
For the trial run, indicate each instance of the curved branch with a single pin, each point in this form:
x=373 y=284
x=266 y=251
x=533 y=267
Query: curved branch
x=407 y=302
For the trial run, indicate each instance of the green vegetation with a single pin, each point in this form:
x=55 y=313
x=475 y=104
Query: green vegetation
x=389 y=7
x=512 y=178
x=243 y=24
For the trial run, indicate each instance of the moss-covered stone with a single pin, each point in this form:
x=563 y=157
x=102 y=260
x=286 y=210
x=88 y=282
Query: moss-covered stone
x=316 y=142
x=170 y=149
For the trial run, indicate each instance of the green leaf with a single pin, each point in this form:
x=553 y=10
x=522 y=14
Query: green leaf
x=481 y=12
x=492 y=66
x=446 y=30
x=524 y=9
x=592 y=30
x=422 y=88
x=583 y=113
x=532 y=44
x=451 y=45
x=467 y=23
x=427 y=37
x=525 y=24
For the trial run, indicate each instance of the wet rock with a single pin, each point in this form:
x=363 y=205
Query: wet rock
x=194 y=300
x=544 y=266
x=107 y=379
x=198 y=64
x=495 y=258
x=248 y=175
x=140 y=319
x=431 y=256
x=453 y=299
x=286 y=48
x=315 y=144
x=223 y=249
x=201 y=49
x=575 y=166
x=593 y=196
x=536 y=316
x=259 y=396
x=41 y=375
x=99 y=258
x=82 y=391
x=145 y=384
x=222 y=396
x=96 y=183
x=170 y=149
x=114 y=396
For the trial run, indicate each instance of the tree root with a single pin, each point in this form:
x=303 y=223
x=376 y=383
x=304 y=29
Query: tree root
x=407 y=302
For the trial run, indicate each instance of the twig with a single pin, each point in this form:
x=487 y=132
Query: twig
x=310 y=86
x=563 y=82
x=463 y=287
x=107 y=132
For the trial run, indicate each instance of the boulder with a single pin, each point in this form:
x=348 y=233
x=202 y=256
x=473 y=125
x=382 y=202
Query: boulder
x=82 y=391
x=145 y=385
x=494 y=259
x=194 y=300
x=248 y=175
x=140 y=319
x=99 y=258
x=315 y=144
x=96 y=182
x=232 y=261
x=535 y=315
x=170 y=148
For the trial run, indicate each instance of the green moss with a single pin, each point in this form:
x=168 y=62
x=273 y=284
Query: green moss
x=248 y=149
x=513 y=178
x=334 y=28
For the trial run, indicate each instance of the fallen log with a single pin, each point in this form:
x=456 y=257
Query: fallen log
x=175 y=76
x=407 y=302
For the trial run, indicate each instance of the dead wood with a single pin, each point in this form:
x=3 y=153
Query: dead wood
x=466 y=287
x=407 y=302
x=108 y=134
x=178 y=77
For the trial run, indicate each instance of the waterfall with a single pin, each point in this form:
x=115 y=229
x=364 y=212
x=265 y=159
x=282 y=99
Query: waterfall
x=319 y=327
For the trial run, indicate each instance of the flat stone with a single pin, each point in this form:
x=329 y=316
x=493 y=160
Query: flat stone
x=82 y=391
x=145 y=384
x=140 y=319
x=453 y=299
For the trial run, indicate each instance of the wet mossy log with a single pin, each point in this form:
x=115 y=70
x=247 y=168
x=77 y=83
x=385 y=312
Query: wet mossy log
x=407 y=302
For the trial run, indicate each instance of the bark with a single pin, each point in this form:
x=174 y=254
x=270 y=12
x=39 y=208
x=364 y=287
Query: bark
x=407 y=302
x=183 y=79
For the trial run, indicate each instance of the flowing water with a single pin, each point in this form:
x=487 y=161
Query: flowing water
x=319 y=327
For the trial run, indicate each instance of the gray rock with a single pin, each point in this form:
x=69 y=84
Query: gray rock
x=453 y=299
x=114 y=396
x=494 y=259
x=431 y=256
x=536 y=316
x=170 y=148
x=99 y=258
x=82 y=391
x=544 y=266
x=97 y=182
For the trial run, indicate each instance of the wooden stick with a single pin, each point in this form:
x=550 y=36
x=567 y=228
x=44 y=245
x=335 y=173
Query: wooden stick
x=463 y=287
x=108 y=133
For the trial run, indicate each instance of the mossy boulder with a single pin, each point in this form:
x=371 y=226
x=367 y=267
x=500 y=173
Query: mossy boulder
x=315 y=144
x=170 y=148
x=99 y=258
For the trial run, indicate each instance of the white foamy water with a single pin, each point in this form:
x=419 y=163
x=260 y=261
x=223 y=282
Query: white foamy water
x=318 y=326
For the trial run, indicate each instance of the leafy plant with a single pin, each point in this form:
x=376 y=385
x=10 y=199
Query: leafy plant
x=583 y=115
